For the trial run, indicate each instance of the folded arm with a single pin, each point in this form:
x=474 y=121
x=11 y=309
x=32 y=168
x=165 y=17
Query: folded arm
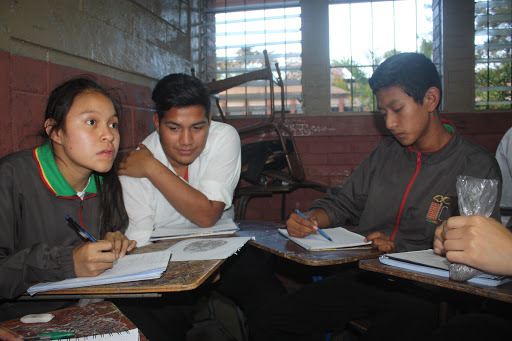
x=203 y=206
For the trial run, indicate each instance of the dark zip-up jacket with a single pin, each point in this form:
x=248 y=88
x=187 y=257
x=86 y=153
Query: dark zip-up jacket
x=406 y=194
x=36 y=241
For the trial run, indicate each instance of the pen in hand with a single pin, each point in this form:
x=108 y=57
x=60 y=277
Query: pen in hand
x=319 y=230
x=81 y=231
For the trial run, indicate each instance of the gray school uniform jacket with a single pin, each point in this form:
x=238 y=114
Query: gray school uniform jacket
x=36 y=242
x=406 y=194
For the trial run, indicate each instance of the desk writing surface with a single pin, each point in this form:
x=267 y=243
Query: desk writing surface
x=269 y=239
x=92 y=319
x=501 y=293
x=179 y=276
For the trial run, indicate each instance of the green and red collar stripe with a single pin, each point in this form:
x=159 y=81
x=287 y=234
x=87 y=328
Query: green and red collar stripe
x=53 y=178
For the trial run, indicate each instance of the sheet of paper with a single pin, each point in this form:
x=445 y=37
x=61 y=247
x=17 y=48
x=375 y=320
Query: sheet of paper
x=129 y=335
x=207 y=248
x=127 y=269
x=223 y=226
x=341 y=238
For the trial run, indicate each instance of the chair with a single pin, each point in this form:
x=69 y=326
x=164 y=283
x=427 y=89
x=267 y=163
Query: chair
x=507 y=212
x=294 y=178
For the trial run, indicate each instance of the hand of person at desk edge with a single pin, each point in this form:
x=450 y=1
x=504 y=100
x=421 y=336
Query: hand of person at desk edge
x=381 y=242
x=480 y=242
x=138 y=163
x=439 y=240
x=91 y=259
x=8 y=335
x=120 y=243
x=300 y=227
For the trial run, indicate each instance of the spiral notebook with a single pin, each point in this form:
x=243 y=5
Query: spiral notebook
x=129 y=335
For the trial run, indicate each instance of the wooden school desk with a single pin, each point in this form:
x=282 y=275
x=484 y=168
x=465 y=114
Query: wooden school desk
x=179 y=276
x=501 y=293
x=269 y=239
x=92 y=319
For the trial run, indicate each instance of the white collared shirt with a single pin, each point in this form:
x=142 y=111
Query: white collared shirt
x=215 y=173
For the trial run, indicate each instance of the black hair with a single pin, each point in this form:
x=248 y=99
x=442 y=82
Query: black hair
x=113 y=213
x=179 y=90
x=414 y=73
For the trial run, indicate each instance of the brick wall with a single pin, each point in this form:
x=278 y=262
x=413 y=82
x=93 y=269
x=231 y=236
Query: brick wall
x=332 y=147
x=25 y=85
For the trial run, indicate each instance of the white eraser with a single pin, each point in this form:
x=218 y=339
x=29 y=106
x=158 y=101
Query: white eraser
x=37 y=318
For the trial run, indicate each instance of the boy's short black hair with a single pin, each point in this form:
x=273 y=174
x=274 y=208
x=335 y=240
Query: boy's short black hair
x=179 y=90
x=414 y=73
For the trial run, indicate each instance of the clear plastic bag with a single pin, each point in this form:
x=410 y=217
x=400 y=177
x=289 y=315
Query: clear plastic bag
x=476 y=197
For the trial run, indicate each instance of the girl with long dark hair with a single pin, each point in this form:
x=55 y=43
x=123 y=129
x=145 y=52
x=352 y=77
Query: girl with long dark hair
x=71 y=174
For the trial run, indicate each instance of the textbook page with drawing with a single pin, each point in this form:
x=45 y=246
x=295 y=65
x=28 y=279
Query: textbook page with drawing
x=429 y=262
x=341 y=238
x=223 y=226
x=127 y=269
x=207 y=248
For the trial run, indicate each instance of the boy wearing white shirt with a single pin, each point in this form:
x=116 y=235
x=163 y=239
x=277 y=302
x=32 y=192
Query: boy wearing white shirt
x=188 y=169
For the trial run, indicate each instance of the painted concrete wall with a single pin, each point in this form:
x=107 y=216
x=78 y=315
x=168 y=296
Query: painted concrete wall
x=128 y=44
x=132 y=40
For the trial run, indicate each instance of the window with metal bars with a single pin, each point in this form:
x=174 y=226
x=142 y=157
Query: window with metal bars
x=362 y=34
x=493 y=48
x=234 y=34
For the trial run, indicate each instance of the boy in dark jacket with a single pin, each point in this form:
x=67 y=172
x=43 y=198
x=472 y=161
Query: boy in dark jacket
x=397 y=197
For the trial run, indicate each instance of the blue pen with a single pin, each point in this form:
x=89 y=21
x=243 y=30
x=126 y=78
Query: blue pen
x=81 y=231
x=319 y=230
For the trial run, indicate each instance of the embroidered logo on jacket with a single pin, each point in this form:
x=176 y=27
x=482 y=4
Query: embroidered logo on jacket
x=438 y=210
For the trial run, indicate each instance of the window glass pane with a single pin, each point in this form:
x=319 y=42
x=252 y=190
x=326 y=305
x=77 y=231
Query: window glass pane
x=363 y=34
x=406 y=27
x=236 y=47
x=493 y=45
x=384 y=39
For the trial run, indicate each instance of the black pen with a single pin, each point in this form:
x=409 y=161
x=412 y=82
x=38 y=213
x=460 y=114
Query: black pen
x=81 y=231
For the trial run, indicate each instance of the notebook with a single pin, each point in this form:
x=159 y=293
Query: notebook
x=223 y=226
x=127 y=269
x=129 y=335
x=341 y=238
x=429 y=262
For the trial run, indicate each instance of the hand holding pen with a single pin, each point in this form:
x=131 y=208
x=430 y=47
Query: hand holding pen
x=120 y=244
x=91 y=259
x=318 y=229
x=301 y=225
